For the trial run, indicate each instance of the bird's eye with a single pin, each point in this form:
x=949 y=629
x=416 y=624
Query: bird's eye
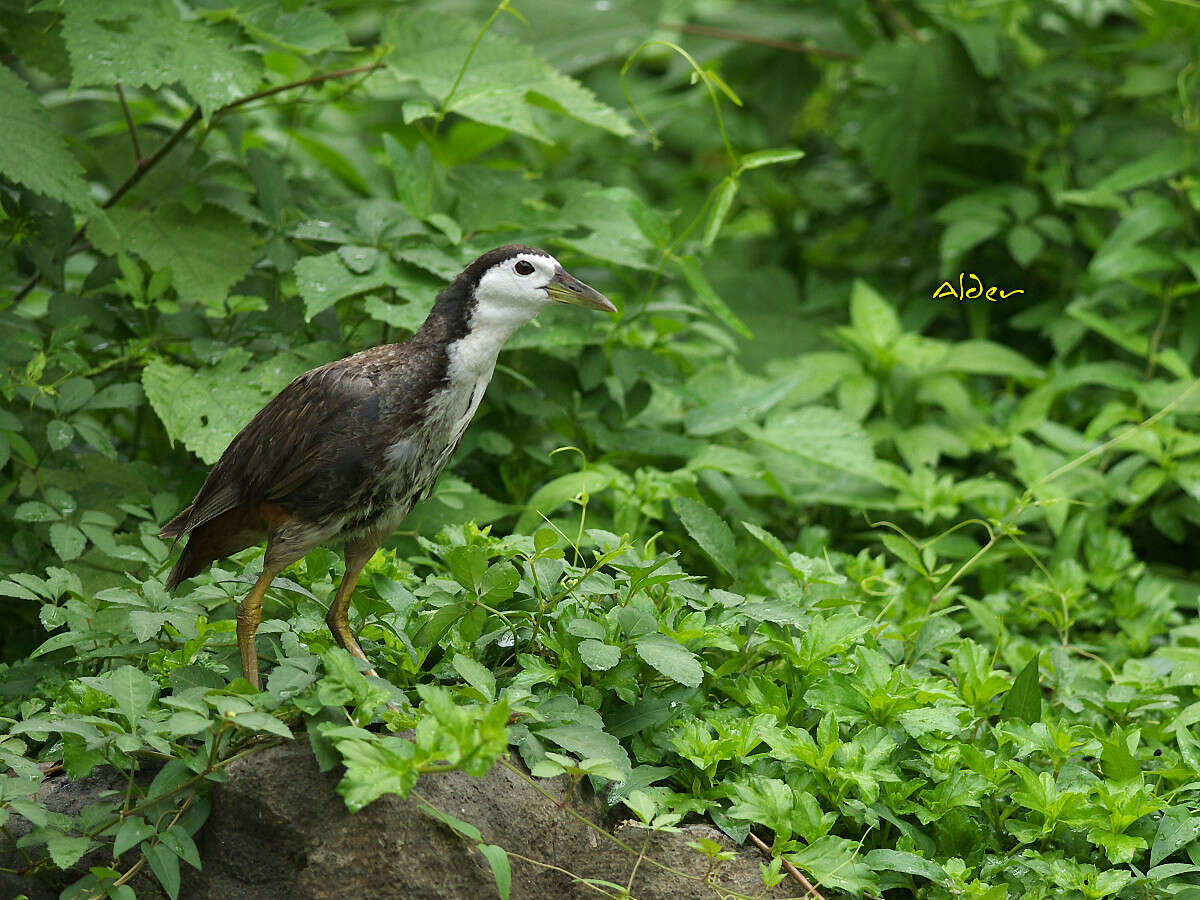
x=524 y=267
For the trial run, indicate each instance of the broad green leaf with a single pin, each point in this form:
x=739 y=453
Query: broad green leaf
x=587 y=742
x=204 y=409
x=307 y=30
x=709 y=531
x=324 y=280
x=476 y=675
x=598 y=656
x=825 y=437
x=987 y=358
x=908 y=863
x=165 y=865
x=67 y=540
x=131 y=688
x=505 y=84
x=1176 y=829
x=670 y=658
x=133 y=830
x=66 y=849
x=145 y=43
x=53 y=169
x=207 y=251
x=872 y=316
x=1024 y=699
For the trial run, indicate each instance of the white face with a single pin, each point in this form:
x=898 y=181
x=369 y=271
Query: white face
x=515 y=288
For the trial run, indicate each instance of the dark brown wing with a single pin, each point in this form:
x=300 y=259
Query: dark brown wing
x=290 y=440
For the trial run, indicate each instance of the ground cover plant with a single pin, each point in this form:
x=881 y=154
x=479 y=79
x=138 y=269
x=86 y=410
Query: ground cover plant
x=868 y=529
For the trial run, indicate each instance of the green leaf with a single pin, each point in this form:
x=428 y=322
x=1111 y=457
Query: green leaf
x=987 y=358
x=588 y=742
x=36 y=511
x=67 y=540
x=208 y=251
x=476 y=675
x=308 y=30
x=165 y=865
x=720 y=209
x=709 y=531
x=708 y=296
x=375 y=768
x=505 y=84
x=146 y=43
x=771 y=157
x=205 y=409
x=133 y=830
x=599 y=656
x=827 y=439
x=131 y=688
x=670 y=658
x=872 y=316
x=51 y=170
x=1176 y=829
x=66 y=849
x=1025 y=245
x=1024 y=699
x=908 y=863
x=497 y=858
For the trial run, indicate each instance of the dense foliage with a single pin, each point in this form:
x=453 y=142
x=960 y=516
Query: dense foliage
x=903 y=584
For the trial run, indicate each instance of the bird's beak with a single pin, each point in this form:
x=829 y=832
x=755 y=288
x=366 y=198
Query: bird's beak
x=566 y=288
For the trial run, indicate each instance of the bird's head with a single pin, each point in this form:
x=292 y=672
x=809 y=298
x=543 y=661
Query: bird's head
x=519 y=281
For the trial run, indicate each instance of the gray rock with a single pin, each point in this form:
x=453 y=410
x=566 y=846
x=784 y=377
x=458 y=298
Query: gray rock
x=279 y=829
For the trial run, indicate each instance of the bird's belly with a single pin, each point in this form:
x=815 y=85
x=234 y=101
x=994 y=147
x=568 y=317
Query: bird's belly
x=413 y=459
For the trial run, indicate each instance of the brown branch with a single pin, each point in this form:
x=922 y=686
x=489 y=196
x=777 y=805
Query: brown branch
x=810 y=889
x=885 y=8
x=742 y=37
x=144 y=165
x=137 y=150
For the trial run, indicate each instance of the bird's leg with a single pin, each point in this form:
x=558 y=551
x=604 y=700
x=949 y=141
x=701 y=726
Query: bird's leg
x=358 y=551
x=249 y=614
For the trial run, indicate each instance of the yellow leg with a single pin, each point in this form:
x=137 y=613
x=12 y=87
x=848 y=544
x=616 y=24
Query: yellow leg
x=338 y=619
x=249 y=614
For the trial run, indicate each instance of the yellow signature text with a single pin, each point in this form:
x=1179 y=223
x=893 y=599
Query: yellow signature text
x=972 y=292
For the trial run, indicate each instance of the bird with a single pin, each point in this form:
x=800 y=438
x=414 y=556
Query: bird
x=346 y=450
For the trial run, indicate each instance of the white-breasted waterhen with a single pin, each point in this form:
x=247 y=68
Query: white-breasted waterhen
x=345 y=451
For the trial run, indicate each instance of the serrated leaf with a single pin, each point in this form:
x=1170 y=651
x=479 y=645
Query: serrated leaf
x=670 y=658
x=67 y=540
x=59 y=434
x=131 y=688
x=146 y=43
x=66 y=849
x=599 y=656
x=36 y=511
x=51 y=170
x=308 y=30
x=208 y=251
x=204 y=409
x=709 y=531
x=505 y=85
